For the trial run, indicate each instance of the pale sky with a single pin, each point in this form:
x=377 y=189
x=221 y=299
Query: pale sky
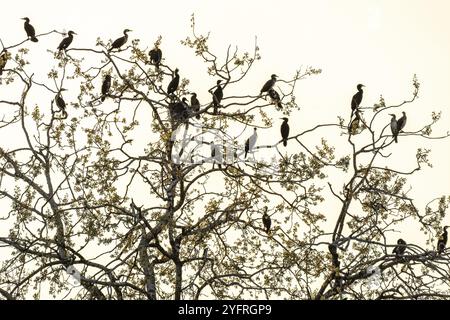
x=380 y=43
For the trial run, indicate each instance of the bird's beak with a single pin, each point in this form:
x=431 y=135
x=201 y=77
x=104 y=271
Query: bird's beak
x=23 y=18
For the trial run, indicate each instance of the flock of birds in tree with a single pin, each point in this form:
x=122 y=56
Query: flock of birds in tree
x=181 y=111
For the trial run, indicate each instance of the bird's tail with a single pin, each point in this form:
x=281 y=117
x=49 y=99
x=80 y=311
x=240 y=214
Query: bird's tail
x=396 y=139
x=103 y=98
x=246 y=154
x=34 y=39
x=285 y=143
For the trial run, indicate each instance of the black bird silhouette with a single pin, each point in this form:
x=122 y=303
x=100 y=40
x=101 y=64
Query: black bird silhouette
x=357 y=97
x=195 y=104
x=120 y=41
x=179 y=110
x=106 y=85
x=250 y=142
x=275 y=98
x=269 y=84
x=65 y=43
x=4 y=56
x=394 y=127
x=173 y=85
x=400 y=248
x=285 y=131
x=217 y=96
x=60 y=103
x=442 y=241
x=29 y=29
x=334 y=255
x=401 y=122
x=155 y=56
x=267 y=222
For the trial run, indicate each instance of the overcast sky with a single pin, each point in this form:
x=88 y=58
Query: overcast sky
x=380 y=43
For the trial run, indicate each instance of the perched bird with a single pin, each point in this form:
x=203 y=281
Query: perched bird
x=4 y=57
x=269 y=84
x=155 y=56
x=178 y=111
x=195 y=104
x=442 y=241
x=400 y=248
x=29 y=29
x=401 y=122
x=394 y=127
x=65 y=43
x=216 y=154
x=120 y=41
x=217 y=96
x=173 y=85
x=60 y=103
x=106 y=86
x=250 y=143
x=354 y=125
x=267 y=222
x=357 y=97
x=275 y=98
x=285 y=131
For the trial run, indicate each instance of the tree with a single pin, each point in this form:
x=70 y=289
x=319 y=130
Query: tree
x=136 y=198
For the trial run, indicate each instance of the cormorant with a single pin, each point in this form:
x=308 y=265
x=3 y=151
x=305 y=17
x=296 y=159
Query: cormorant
x=354 y=125
x=269 y=84
x=401 y=122
x=394 y=127
x=155 y=56
x=178 y=110
x=106 y=86
x=60 y=103
x=442 y=241
x=217 y=96
x=65 y=43
x=275 y=98
x=357 y=97
x=173 y=85
x=29 y=29
x=216 y=154
x=285 y=131
x=250 y=143
x=267 y=222
x=195 y=104
x=400 y=248
x=4 y=56
x=120 y=41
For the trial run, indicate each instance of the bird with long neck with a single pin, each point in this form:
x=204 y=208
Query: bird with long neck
x=357 y=97
x=65 y=43
x=285 y=131
x=119 y=42
x=60 y=103
x=250 y=142
x=401 y=122
x=195 y=105
x=29 y=29
x=394 y=127
x=173 y=85
x=217 y=96
x=269 y=84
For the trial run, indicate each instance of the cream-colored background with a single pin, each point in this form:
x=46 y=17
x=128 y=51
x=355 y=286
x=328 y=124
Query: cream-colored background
x=379 y=43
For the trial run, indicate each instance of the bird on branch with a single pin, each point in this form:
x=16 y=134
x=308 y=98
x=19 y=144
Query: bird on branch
x=442 y=241
x=106 y=85
x=357 y=97
x=29 y=29
x=269 y=84
x=284 y=131
x=250 y=143
x=173 y=85
x=400 y=248
x=65 y=43
x=119 y=42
